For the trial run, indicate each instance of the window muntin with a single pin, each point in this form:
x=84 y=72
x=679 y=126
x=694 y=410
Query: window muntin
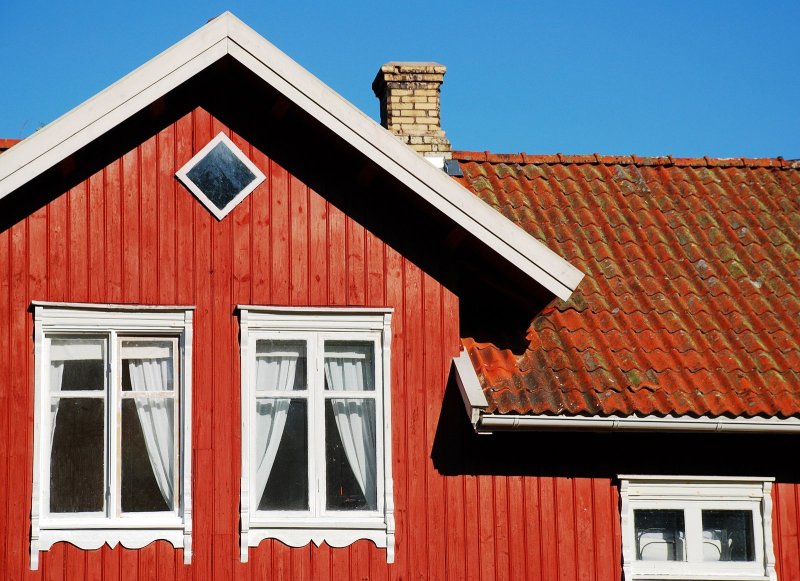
x=696 y=528
x=315 y=410
x=112 y=420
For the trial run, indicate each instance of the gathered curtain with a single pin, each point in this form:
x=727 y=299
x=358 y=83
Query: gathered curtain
x=274 y=372
x=355 y=419
x=155 y=417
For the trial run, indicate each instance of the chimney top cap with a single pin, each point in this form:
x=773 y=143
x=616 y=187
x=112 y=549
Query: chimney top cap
x=399 y=72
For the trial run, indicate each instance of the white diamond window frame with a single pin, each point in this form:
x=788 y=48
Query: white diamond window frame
x=183 y=175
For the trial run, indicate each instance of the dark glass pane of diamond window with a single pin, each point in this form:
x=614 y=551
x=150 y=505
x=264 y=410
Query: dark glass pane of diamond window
x=221 y=175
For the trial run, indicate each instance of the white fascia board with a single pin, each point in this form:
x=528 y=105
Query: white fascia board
x=470 y=387
x=226 y=35
x=510 y=422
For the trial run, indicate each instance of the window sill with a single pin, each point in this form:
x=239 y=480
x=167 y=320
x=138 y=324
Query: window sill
x=91 y=538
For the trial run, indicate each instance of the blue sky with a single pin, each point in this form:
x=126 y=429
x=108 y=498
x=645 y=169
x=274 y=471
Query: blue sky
x=681 y=78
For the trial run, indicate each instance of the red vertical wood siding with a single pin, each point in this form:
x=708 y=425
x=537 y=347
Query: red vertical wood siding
x=132 y=234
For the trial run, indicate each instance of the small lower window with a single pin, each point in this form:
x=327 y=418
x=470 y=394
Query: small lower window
x=698 y=528
x=316 y=445
x=112 y=409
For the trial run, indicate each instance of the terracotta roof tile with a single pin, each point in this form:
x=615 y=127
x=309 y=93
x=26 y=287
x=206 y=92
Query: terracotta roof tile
x=691 y=304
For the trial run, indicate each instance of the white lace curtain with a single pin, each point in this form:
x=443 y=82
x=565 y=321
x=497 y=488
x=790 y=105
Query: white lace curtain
x=156 y=418
x=274 y=371
x=355 y=418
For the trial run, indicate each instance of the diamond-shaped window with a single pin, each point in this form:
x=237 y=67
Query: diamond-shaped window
x=220 y=176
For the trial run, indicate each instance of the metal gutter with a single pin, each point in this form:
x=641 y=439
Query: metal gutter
x=487 y=423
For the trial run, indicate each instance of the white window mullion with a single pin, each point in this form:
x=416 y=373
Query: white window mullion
x=316 y=439
x=113 y=405
x=694 y=533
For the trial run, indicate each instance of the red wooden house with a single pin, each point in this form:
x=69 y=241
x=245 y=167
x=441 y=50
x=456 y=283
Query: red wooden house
x=245 y=332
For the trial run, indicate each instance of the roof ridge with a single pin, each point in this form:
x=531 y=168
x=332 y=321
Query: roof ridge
x=595 y=158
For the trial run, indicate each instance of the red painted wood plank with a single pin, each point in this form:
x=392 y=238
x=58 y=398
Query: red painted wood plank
x=565 y=527
x=340 y=563
x=501 y=524
x=78 y=243
x=548 y=531
x=472 y=546
x=111 y=568
x=130 y=227
x=148 y=216
x=165 y=560
x=113 y=232
x=337 y=251
x=5 y=375
x=517 y=556
x=356 y=274
x=18 y=405
x=375 y=266
x=301 y=560
x=74 y=563
x=416 y=454
x=260 y=205
x=147 y=562
x=57 y=276
x=53 y=563
x=299 y=234
x=223 y=556
x=320 y=565
x=786 y=541
x=584 y=529
x=455 y=537
x=96 y=238
x=359 y=560
x=260 y=561
x=166 y=183
x=184 y=215
x=279 y=235
x=395 y=288
x=202 y=519
x=317 y=249
x=604 y=541
x=432 y=400
x=94 y=565
x=485 y=527
x=282 y=561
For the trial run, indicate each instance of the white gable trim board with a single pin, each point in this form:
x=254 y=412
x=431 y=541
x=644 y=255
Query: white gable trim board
x=227 y=35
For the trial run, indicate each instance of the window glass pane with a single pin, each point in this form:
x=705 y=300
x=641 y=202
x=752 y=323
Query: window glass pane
x=350 y=459
x=280 y=365
x=281 y=455
x=349 y=366
x=77 y=453
x=660 y=535
x=221 y=175
x=148 y=454
x=147 y=365
x=77 y=364
x=728 y=535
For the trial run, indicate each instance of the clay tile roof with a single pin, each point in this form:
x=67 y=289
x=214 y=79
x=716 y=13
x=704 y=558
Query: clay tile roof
x=691 y=301
x=7 y=144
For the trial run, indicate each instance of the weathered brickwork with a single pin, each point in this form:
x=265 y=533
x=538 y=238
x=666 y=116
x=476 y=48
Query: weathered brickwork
x=409 y=96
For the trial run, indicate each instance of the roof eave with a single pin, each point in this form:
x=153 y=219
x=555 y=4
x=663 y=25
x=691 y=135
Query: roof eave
x=227 y=35
x=483 y=422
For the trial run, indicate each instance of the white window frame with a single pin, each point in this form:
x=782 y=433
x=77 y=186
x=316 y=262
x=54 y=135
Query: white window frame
x=93 y=530
x=693 y=494
x=316 y=324
x=183 y=175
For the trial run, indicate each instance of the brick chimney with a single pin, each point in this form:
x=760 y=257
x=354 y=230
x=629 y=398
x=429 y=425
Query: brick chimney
x=409 y=96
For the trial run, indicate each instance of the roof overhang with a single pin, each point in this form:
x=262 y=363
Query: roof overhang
x=227 y=36
x=483 y=422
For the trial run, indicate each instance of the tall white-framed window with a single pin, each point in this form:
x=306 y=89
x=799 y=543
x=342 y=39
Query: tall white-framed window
x=112 y=426
x=694 y=527
x=316 y=426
